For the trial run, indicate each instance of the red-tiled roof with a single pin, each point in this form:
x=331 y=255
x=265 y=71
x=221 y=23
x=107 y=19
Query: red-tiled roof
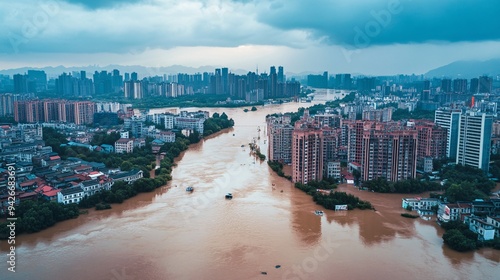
x=82 y=167
x=54 y=157
x=43 y=189
x=123 y=140
x=52 y=193
x=82 y=177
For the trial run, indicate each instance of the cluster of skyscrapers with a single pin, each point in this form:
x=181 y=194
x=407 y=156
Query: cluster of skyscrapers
x=483 y=84
x=317 y=146
x=251 y=87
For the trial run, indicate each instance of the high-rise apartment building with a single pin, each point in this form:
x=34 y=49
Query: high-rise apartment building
x=331 y=151
x=432 y=141
x=281 y=75
x=20 y=83
x=330 y=120
x=7 y=103
x=474 y=140
x=380 y=115
x=450 y=120
x=474 y=85
x=354 y=136
x=133 y=90
x=446 y=85
x=343 y=81
x=460 y=85
x=485 y=84
x=389 y=154
x=31 y=111
x=404 y=155
x=307 y=151
x=280 y=130
x=28 y=111
x=39 y=78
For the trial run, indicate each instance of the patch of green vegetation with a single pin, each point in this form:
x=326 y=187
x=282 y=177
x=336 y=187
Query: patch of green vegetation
x=333 y=198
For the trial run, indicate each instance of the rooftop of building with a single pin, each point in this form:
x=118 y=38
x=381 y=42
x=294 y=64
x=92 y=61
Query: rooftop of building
x=125 y=174
x=124 y=140
x=71 y=190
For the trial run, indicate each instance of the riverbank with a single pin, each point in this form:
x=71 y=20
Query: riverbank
x=49 y=213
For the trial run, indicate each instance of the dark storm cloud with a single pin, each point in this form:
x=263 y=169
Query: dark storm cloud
x=113 y=26
x=361 y=23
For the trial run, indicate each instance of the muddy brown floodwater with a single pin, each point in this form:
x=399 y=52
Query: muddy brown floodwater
x=171 y=234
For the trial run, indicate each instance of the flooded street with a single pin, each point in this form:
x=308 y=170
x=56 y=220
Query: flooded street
x=172 y=234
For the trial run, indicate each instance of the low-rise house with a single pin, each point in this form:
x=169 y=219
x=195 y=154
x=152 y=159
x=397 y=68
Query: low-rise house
x=333 y=169
x=482 y=208
x=70 y=195
x=495 y=222
x=156 y=146
x=347 y=177
x=91 y=187
x=453 y=211
x=51 y=195
x=127 y=176
x=95 y=174
x=484 y=230
x=124 y=145
x=167 y=136
x=31 y=185
x=107 y=148
x=76 y=144
x=418 y=203
x=82 y=169
x=139 y=142
x=189 y=123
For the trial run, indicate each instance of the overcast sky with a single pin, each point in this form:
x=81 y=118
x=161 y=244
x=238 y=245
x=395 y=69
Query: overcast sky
x=372 y=37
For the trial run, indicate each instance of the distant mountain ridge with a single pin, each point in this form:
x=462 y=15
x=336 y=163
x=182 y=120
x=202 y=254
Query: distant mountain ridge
x=466 y=69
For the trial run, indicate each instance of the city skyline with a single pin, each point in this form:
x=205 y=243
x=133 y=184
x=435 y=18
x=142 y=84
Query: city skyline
x=368 y=37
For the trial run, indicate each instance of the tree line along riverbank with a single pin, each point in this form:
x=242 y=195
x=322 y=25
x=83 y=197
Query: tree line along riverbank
x=34 y=216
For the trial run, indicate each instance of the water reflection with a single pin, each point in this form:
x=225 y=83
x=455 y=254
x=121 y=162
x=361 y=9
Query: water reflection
x=305 y=223
x=457 y=258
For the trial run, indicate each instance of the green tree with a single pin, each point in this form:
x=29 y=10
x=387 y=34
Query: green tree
x=126 y=166
x=456 y=240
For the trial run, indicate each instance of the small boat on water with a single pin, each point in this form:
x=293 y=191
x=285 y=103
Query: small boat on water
x=189 y=189
x=229 y=195
x=319 y=212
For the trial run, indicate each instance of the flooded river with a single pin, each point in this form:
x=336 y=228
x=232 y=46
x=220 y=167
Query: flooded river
x=172 y=234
